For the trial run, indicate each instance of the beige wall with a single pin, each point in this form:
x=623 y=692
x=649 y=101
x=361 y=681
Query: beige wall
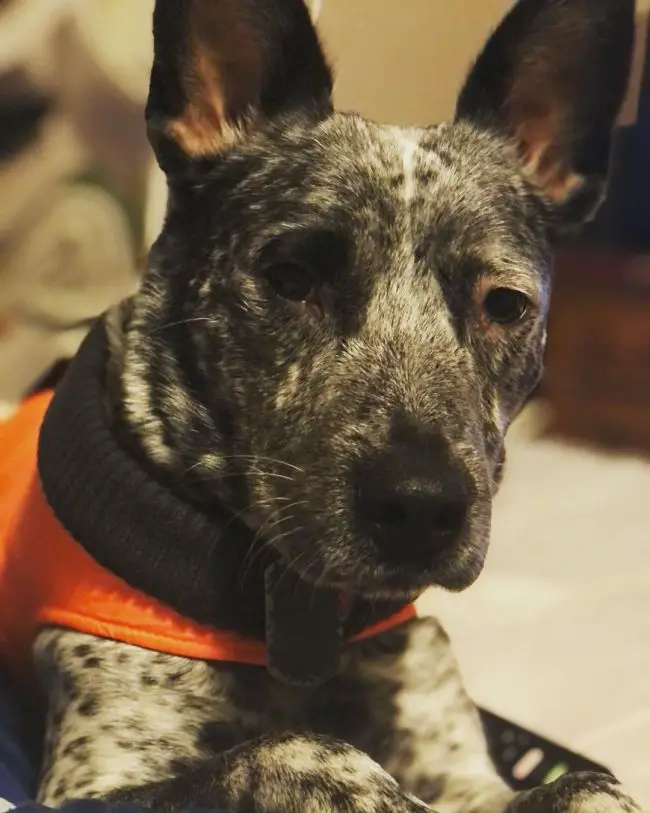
x=403 y=61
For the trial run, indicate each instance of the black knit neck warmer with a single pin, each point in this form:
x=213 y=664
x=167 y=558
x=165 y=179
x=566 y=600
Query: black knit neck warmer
x=172 y=551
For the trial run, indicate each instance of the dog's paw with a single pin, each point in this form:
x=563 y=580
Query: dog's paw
x=576 y=793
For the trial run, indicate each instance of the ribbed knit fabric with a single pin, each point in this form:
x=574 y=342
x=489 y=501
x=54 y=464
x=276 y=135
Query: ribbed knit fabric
x=188 y=558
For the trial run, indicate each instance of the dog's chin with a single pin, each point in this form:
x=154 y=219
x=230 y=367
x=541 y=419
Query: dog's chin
x=378 y=581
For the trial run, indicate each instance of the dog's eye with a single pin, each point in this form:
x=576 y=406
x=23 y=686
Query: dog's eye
x=505 y=306
x=291 y=281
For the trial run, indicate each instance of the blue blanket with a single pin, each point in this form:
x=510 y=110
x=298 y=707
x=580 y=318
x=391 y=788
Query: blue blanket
x=17 y=780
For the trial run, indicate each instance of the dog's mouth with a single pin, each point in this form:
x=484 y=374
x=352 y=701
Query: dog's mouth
x=372 y=579
x=393 y=582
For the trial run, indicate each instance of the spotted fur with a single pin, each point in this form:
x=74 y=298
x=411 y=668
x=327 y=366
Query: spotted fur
x=153 y=716
x=304 y=412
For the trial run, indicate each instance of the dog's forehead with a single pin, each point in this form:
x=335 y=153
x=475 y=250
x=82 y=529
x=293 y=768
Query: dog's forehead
x=453 y=183
x=450 y=169
x=417 y=155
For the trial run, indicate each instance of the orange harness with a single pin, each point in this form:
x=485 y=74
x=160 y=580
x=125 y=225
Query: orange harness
x=47 y=578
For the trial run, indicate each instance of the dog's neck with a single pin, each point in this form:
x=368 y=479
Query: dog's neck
x=204 y=563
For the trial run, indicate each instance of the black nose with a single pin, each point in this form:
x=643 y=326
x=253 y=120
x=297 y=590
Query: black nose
x=412 y=509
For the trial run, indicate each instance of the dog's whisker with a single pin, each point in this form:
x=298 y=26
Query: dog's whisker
x=271 y=522
x=252 y=556
x=310 y=563
x=303 y=577
x=281 y=519
x=260 y=473
x=229 y=522
x=289 y=566
x=254 y=551
x=260 y=458
x=231 y=474
x=187 y=321
x=239 y=514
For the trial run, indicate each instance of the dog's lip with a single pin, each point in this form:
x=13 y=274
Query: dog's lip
x=381 y=581
x=405 y=582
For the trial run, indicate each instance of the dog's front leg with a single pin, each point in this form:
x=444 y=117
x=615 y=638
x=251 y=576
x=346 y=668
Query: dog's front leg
x=289 y=773
x=432 y=740
x=576 y=793
x=573 y=793
x=438 y=749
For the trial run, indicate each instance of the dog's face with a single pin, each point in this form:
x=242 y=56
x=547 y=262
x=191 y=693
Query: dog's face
x=375 y=305
x=343 y=317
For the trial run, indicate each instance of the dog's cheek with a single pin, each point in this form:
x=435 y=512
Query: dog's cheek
x=495 y=453
x=523 y=377
x=499 y=469
x=510 y=369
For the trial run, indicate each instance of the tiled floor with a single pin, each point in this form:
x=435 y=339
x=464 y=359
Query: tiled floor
x=556 y=632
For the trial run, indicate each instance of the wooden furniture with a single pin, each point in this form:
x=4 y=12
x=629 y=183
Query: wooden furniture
x=597 y=379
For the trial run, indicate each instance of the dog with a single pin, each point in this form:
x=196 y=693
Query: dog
x=297 y=424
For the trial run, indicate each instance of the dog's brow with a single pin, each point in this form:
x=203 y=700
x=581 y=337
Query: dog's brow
x=514 y=272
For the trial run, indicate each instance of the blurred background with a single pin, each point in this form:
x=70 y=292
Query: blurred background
x=556 y=633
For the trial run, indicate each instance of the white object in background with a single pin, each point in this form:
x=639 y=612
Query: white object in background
x=315 y=8
x=117 y=37
x=27 y=356
x=73 y=261
x=26 y=26
x=155 y=204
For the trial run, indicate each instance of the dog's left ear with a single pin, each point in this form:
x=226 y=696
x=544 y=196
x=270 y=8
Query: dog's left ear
x=222 y=68
x=553 y=77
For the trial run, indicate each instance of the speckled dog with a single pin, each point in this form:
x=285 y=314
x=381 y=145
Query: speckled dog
x=339 y=321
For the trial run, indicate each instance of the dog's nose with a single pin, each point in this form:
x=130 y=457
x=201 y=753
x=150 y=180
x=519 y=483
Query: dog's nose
x=411 y=516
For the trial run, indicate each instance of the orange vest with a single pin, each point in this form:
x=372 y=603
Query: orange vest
x=47 y=578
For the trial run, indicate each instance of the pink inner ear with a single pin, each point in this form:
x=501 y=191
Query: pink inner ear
x=545 y=159
x=222 y=81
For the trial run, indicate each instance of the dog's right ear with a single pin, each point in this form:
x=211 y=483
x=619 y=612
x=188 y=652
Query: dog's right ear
x=552 y=77
x=224 y=67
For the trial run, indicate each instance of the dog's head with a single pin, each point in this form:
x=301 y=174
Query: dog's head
x=341 y=318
